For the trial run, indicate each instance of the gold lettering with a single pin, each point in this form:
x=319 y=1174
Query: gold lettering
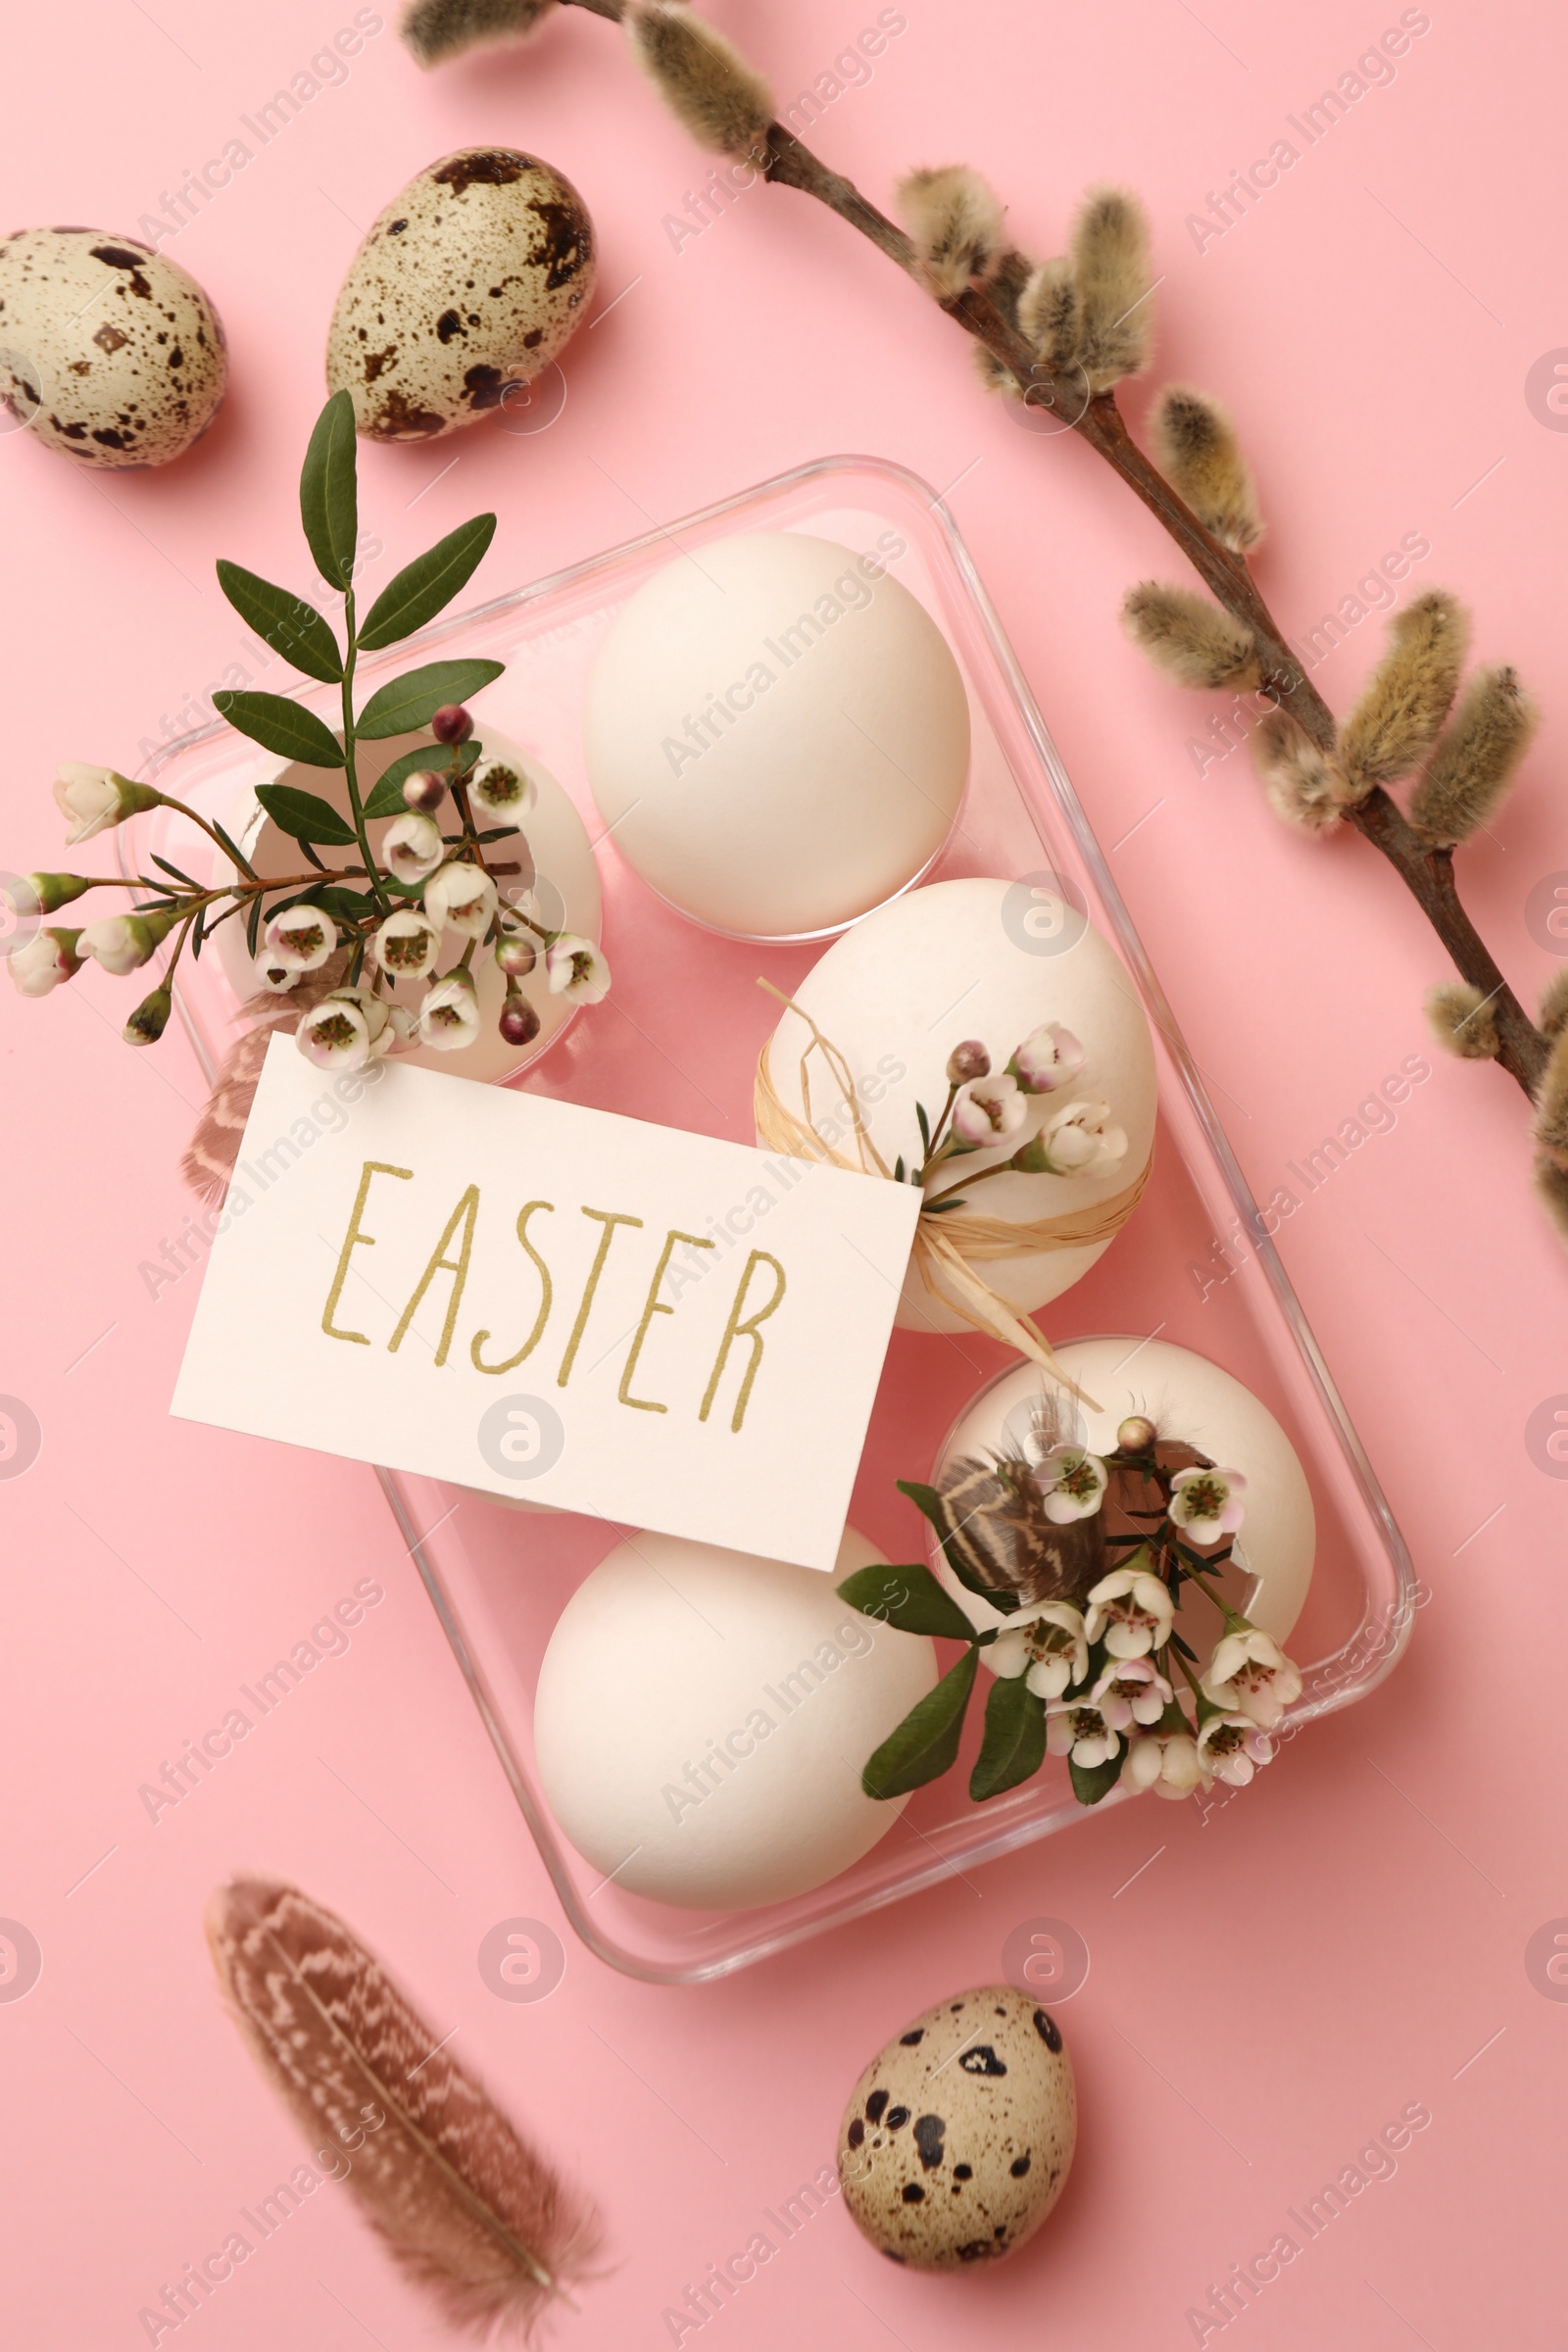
x=354 y=1238
x=609 y=1219
x=735 y=1329
x=466 y=1213
x=543 y=1316
x=651 y=1308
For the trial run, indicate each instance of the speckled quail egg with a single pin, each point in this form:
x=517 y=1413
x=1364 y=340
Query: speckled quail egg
x=107 y=349
x=468 y=284
x=959 y=2137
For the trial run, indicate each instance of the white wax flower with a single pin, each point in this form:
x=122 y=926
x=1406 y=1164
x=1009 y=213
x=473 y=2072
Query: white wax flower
x=348 y=1028
x=1051 y=1652
x=1131 y=1611
x=1232 y=1747
x=576 y=969
x=1049 y=1058
x=300 y=938
x=1073 y=1482
x=449 y=1017
x=1131 y=1691
x=1081 y=1733
x=407 y=943
x=989 y=1108
x=1164 y=1761
x=464 y=898
x=1249 y=1675
x=1078 y=1140
x=504 y=793
x=43 y=962
x=1208 y=1503
x=411 y=848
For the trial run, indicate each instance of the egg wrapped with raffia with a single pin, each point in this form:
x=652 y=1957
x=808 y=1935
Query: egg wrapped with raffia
x=109 y=352
x=996 y=964
x=466 y=287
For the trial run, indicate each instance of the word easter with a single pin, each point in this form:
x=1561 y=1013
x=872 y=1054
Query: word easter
x=500 y=1289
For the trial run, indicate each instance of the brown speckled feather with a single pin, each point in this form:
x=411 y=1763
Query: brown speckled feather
x=464 y=2205
x=211 y=1154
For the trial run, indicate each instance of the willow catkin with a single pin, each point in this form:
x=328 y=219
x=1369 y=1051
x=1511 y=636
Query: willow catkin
x=1461 y=1019
x=1111 y=268
x=955 y=222
x=1189 y=637
x=1408 y=695
x=1196 y=449
x=1305 y=784
x=1474 y=759
x=702 y=78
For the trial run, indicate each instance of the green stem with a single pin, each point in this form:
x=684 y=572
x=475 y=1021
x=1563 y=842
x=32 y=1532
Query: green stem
x=356 y=805
x=1001 y=1167
x=216 y=839
x=936 y=1132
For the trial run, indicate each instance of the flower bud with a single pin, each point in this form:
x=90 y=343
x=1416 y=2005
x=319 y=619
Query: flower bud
x=424 y=791
x=92 y=799
x=120 y=943
x=46 y=959
x=1136 y=1433
x=969 y=1061
x=517 y=954
x=150 y=1019
x=519 y=1021
x=451 y=724
x=43 y=893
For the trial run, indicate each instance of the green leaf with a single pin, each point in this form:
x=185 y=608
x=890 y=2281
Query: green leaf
x=927 y=1500
x=909 y=1598
x=329 y=503
x=387 y=798
x=421 y=589
x=927 y=1742
x=253 y=923
x=281 y=725
x=413 y=700
x=1014 y=1744
x=1090 y=1783
x=349 y=905
x=303 y=817
x=287 y=623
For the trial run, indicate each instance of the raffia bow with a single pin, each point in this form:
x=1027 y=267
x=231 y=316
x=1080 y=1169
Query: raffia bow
x=947 y=1246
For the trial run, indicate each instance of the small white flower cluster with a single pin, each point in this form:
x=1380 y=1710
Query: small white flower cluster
x=448 y=888
x=984 y=1107
x=1108 y=1672
x=351 y=1026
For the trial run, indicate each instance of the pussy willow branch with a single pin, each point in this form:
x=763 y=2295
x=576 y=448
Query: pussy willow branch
x=1426 y=871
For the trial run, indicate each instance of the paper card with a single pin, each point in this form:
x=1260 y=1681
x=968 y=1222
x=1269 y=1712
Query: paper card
x=550 y=1302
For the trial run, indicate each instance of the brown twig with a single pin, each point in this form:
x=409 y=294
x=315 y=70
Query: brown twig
x=1426 y=871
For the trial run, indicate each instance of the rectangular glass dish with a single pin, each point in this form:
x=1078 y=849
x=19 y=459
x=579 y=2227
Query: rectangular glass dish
x=677 y=1042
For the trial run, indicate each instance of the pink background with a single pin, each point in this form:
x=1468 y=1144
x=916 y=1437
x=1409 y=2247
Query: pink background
x=1270 y=1983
